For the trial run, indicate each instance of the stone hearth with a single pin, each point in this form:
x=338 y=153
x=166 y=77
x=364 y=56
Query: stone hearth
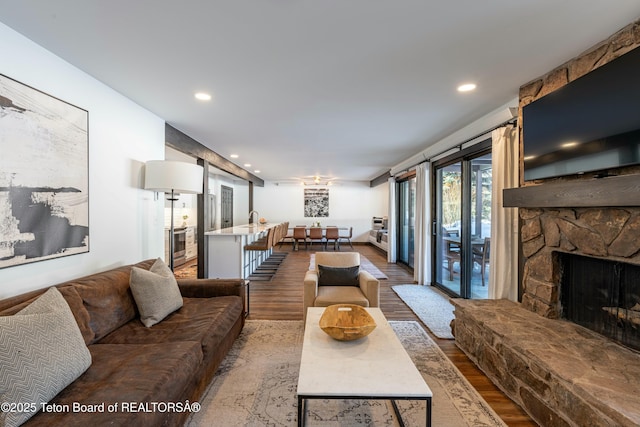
x=562 y=374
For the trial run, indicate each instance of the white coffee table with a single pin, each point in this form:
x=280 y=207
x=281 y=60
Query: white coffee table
x=374 y=367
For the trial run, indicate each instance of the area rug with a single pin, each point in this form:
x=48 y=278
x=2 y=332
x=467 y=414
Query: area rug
x=256 y=386
x=365 y=264
x=188 y=272
x=430 y=305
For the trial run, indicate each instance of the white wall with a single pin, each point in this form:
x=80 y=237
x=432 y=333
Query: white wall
x=240 y=197
x=350 y=205
x=125 y=222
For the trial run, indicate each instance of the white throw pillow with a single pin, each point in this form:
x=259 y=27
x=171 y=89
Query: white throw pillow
x=155 y=291
x=41 y=352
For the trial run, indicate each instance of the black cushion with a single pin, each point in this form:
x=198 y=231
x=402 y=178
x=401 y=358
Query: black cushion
x=338 y=276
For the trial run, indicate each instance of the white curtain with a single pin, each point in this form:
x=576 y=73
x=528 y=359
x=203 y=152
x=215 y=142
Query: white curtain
x=422 y=235
x=392 y=222
x=503 y=258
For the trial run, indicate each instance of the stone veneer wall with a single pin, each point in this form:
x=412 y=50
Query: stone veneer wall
x=611 y=233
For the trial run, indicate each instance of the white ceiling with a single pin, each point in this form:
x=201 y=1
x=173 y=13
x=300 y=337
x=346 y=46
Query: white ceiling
x=339 y=88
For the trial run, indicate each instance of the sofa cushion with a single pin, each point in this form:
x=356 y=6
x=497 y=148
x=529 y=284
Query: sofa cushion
x=72 y=297
x=338 y=276
x=129 y=374
x=41 y=352
x=155 y=291
x=336 y=259
x=329 y=295
x=108 y=300
x=206 y=320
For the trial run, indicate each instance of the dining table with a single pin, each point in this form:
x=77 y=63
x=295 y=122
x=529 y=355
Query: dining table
x=308 y=228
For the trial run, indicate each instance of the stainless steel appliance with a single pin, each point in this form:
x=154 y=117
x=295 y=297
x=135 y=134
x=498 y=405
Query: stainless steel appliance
x=179 y=246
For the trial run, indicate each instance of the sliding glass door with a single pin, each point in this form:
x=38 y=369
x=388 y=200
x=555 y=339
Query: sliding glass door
x=462 y=222
x=406 y=220
x=449 y=224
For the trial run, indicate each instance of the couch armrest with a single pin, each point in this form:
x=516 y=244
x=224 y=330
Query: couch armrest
x=370 y=287
x=310 y=291
x=208 y=288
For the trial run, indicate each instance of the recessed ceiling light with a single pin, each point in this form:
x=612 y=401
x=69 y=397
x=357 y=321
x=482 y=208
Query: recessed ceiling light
x=569 y=144
x=203 y=96
x=234 y=156
x=247 y=165
x=256 y=171
x=467 y=87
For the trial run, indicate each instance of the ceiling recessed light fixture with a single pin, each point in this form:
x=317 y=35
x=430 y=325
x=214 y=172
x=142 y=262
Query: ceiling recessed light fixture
x=234 y=156
x=202 y=96
x=569 y=144
x=467 y=87
x=247 y=165
x=256 y=171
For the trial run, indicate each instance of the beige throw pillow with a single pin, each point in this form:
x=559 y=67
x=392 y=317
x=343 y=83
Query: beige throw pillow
x=155 y=291
x=41 y=352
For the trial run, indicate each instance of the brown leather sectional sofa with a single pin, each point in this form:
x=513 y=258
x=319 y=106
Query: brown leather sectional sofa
x=145 y=370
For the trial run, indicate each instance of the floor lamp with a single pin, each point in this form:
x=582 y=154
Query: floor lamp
x=173 y=178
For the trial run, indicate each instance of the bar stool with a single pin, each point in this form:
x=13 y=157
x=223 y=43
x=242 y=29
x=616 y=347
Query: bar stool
x=286 y=234
x=262 y=245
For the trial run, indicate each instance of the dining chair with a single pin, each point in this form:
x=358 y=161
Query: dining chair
x=347 y=237
x=451 y=249
x=332 y=233
x=481 y=256
x=316 y=235
x=299 y=234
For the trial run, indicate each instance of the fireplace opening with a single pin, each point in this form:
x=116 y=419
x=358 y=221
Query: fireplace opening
x=601 y=295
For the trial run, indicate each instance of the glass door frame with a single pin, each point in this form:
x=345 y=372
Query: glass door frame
x=464 y=156
x=409 y=235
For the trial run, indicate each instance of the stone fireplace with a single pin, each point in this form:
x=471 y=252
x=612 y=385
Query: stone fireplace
x=561 y=373
x=601 y=295
x=602 y=233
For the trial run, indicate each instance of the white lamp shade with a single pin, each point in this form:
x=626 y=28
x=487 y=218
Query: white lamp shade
x=168 y=175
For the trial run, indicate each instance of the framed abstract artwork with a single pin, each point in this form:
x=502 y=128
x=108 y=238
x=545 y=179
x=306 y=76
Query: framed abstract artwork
x=316 y=202
x=44 y=176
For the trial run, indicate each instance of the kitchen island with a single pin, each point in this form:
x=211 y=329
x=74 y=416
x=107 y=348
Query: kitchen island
x=227 y=257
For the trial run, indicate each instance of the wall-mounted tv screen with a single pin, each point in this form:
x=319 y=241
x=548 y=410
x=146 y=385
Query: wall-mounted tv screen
x=591 y=124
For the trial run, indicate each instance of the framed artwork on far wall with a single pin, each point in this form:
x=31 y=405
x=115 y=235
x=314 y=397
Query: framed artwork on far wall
x=44 y=176
x=316 y=202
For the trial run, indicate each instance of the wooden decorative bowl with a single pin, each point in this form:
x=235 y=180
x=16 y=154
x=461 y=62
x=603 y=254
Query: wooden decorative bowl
x=346 y=322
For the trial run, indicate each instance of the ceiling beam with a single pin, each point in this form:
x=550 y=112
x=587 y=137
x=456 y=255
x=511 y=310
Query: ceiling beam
x=184 y=143
x=382 y=179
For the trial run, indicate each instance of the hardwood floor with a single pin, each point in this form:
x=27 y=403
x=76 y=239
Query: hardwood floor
x=281 y=299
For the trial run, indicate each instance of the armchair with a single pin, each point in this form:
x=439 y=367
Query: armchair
x=364 y=292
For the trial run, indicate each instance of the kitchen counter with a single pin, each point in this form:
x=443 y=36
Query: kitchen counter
x=227 y=258
x=241 y=230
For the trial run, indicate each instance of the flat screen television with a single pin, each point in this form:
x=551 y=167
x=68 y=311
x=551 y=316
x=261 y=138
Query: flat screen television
x=591 y=124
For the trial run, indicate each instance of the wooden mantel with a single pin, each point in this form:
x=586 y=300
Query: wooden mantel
x=611 y=191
